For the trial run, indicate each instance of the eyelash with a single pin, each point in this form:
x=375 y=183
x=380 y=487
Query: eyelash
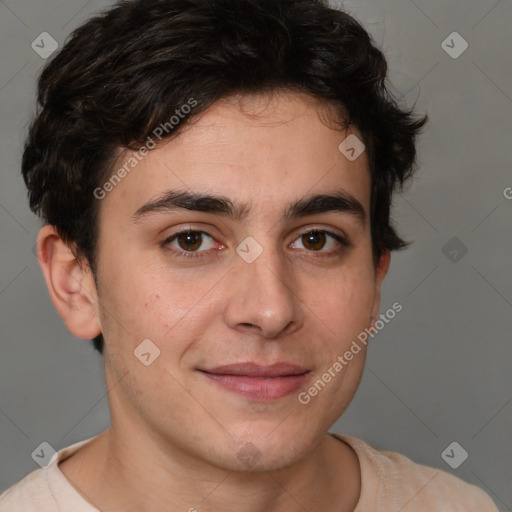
x=197 y=254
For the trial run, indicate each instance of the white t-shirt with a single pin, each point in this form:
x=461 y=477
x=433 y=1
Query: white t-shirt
x=390 y=482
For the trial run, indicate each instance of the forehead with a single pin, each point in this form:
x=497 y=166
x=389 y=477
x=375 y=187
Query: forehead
x=264 y=151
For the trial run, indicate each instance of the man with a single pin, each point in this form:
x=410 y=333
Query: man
x=215 y=179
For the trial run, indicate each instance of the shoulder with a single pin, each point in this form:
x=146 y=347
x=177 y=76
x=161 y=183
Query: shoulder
x=31 y=494
x=46 y=489
x=391 y=480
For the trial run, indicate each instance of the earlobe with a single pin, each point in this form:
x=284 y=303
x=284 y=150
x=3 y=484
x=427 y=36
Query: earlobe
x=380 y=273
x=382 y=267
x=70 y=284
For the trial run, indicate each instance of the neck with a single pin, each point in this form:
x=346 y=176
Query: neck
x=124 y=472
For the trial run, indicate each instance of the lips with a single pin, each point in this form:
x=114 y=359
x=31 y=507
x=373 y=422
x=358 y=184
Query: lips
x=255 y=370
x=257 y=382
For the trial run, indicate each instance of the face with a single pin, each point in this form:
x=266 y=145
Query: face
x=244 y=313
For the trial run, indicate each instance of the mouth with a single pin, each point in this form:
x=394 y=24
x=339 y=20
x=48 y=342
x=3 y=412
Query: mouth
x=260 y=383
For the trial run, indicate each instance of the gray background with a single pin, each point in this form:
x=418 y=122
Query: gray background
x=439 y=372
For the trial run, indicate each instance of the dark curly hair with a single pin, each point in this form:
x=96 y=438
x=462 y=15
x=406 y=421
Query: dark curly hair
x=127 y=70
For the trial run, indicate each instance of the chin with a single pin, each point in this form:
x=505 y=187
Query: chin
x=254 y=452
x=250 y=459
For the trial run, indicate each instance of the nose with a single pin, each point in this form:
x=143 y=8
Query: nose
x=262 y=298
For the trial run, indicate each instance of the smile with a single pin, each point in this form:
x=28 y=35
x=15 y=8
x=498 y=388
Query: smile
x=261 y=383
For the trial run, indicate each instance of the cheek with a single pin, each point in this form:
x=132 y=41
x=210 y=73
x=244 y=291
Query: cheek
x=345 y=306
x=342 y=303
x=167 y=307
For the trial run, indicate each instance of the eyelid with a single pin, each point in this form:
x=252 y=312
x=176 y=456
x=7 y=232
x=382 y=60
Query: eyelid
x=329 y=231
x=342 y=240
x=185 y=254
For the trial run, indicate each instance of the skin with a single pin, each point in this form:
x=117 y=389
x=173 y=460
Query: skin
x=174 y=434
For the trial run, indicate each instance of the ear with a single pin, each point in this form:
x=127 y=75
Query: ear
x=70 y=284
x=380 y=273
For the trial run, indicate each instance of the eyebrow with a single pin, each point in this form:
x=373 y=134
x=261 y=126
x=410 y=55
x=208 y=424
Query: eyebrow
x=172 y=200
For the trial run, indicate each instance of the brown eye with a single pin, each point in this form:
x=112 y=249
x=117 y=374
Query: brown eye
x=324 y=242
x=315 y=240
x=190 y=240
